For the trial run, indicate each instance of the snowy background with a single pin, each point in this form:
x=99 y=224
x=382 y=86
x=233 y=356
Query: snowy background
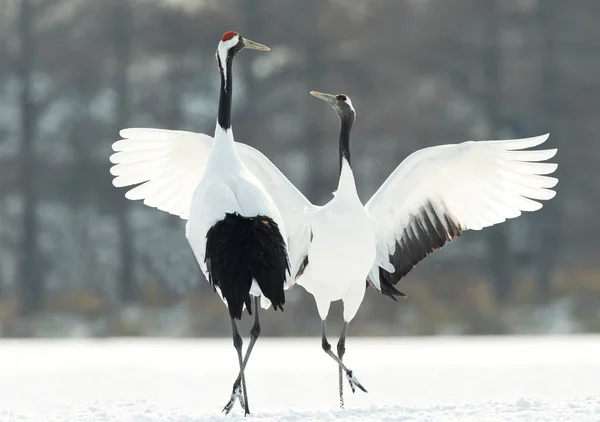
x=410 y=379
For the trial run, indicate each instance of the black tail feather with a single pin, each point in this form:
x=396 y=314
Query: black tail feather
x=388 y=289
x=242 y=249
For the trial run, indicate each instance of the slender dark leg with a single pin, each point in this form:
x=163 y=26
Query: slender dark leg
x=254 y=333
x=237 y=343
x=327 y=348
x=341 y=349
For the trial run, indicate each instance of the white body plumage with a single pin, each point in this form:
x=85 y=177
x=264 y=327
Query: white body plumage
x=227 y=186
x=342 y=250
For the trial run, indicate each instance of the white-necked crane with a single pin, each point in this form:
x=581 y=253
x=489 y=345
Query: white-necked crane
x=233 y=226
x=429 y=199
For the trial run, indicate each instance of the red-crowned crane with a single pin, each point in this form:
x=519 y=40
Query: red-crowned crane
x=233 y=226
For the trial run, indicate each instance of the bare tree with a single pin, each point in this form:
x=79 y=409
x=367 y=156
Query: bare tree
x=498 y=246
x=315 y=73
x=122 y=21
x=30 y=283
x=548 y=230
x=419 y=74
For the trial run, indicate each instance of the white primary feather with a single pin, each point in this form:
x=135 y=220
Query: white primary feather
x=169 y=165
x=476 y=184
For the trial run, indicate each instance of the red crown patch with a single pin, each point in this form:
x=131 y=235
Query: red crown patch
x=228 y=35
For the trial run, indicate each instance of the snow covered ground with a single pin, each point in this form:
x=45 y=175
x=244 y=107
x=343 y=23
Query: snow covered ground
x=409 y=379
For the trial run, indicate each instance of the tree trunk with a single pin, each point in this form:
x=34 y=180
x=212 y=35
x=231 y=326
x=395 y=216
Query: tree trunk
x=315 y=70
x=30 y=282
x=548 y=231
x=250 y=114
x=498 y=246
x=122 y=44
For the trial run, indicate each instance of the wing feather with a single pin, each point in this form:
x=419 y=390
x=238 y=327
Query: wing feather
x=168 y=165
x=437 y=193
x=295 y=209
x=165 y=165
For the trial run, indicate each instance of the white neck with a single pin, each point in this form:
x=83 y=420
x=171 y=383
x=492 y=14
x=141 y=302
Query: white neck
x=224 y=156
x=346 y=184
x=222 y=57
x=222 y=51
x=349 y=102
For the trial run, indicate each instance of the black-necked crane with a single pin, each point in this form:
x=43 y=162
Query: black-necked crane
x=435 y=194
x=233 y=226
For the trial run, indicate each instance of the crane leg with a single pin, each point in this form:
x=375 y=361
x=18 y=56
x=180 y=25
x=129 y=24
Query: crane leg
x=236 y=392
x=237 y=343
x=341 y=349
x=352 y=380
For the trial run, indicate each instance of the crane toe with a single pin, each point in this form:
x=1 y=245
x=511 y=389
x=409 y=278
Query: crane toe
x=236 y=395
x=353 y=381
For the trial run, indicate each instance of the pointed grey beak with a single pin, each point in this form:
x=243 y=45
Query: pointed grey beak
x=331 y=99
x=251 y=45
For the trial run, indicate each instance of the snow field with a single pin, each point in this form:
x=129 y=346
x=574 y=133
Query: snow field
x=408 y=379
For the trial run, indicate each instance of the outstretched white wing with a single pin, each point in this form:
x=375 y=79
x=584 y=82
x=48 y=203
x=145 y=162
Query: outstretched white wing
x=168 y=165
x=295 y=209
x=437 y=193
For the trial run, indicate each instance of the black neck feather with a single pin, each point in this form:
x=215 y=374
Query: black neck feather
x=224 y=117
x=346 y=122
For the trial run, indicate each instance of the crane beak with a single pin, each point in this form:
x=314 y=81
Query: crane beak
x=251 y=45
x=325 y=97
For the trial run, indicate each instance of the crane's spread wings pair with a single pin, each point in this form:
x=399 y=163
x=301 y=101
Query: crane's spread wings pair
x=430 y=198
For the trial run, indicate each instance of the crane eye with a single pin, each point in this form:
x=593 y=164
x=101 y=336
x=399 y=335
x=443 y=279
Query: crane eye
x=341 y=97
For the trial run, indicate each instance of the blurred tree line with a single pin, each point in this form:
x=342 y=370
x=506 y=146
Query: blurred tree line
x=420 y=73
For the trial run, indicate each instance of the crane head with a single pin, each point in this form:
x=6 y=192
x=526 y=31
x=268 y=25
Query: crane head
x=341 y=103
x=231 y=43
